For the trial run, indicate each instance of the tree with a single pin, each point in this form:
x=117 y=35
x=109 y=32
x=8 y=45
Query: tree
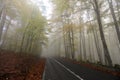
x=110 y=2
x=106 y=52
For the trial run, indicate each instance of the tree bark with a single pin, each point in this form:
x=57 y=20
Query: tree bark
x=80 y=37
x=106 y=52
x=72 y=42
x=3 y=18
x=115 y=19
x=5 y=33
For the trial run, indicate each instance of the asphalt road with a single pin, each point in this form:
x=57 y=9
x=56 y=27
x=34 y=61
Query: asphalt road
x=57 y=69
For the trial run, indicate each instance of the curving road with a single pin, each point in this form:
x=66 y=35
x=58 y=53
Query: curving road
x=57 y=69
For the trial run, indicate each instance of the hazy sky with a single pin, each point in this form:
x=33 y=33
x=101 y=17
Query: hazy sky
x=45 y=7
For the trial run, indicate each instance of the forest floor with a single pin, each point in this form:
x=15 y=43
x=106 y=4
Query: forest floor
x=28 y=67
x=105 y=69
x=20 y=67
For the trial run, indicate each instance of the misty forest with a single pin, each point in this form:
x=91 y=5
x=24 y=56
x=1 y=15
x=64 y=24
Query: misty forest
x=59 y=39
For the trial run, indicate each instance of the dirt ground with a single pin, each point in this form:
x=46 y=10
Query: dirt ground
x=20 y=67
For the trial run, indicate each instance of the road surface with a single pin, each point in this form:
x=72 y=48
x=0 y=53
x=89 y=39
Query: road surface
x=57 y=69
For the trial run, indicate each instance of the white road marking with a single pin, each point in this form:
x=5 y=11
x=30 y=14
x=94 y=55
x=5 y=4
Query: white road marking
x=69 y=70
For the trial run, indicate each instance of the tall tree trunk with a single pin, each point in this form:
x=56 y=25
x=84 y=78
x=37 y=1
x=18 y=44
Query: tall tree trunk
x=72 y=42
x=114 y=18
x=23 y=36
x=90 y=47
x=65 y=44
x=93 y=53
x=1 y=7
x=84 y=45
x=59 y=47
x=95 y=39
x=106 y=52
x=97 y=46
x=27 y=43
x=5 y=33
x=22 y=42
x=30 y=43
x=118 y=10
x=3 y=18
x=80 y=37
